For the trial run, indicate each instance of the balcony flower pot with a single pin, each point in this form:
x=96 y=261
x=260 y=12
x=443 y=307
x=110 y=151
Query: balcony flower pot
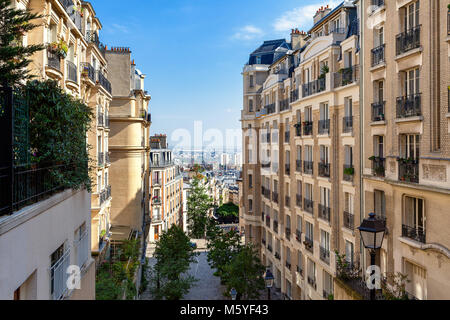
x=349 y=171
x=372 y=158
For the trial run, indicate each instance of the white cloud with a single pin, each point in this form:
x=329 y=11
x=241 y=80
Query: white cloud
x=300 y=17
x=248 y=32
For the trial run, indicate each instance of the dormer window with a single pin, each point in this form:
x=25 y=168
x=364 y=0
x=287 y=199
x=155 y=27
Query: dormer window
x=258 y=60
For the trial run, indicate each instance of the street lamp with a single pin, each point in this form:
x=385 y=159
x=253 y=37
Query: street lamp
x=269 y=282
x=372 y=233
x=233 y=294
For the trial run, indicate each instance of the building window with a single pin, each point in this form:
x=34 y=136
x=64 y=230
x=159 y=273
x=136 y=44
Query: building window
x=327 y=285
x=250 y=181
x=250 y=205
x=414 y=219
x=349 y=253
x=59 y=262
x=417 y=285
x=250 y=105
x=380 y=204
x=252 y=78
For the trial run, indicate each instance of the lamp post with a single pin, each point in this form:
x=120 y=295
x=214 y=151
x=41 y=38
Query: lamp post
x=268 y=278
x=372 y=233
x=233 y=294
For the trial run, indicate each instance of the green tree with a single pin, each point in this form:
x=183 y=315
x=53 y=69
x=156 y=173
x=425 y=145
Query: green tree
x=173 y=254
x=229 y=209
x=14 y=56
x=245 y=273
x=199 y=203
x=222 y=247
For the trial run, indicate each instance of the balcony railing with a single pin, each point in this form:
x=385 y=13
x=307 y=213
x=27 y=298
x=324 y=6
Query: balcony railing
x=325 y=255
x=308 y=167
x=53 y=60
x=324 y=212
x=378 y=166
x=346 y=76
x=378 y=55
x=59 y=276
x=377 y=3
x=347 y=124
x=308 y=206
x=106 y=122
x=270 y=108
x=298 y=235
x=324 y=126
x=104 y=82
x=288 y=233
x=408 y=40
x=416 y=233
x=408 y=170
x=284 y=105
x=349 y=172
x=275 y=197
x=409 y=106
x=324 y=169
x=313 y=87
x=378 y=111
x=294 y=95
x=92 y=37
x=287 y=168
x=307 y=128
x=349 y=220
x=298 y=200
x=266 y=165
x=298 y=165
x=312 y=282
x=309 y=244
x=87 y=70
x=298 y=129
x=72 y=71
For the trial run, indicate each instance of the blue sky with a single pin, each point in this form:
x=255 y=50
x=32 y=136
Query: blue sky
x=193 y=51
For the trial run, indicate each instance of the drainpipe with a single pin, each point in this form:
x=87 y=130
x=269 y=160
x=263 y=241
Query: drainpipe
x=361 y=127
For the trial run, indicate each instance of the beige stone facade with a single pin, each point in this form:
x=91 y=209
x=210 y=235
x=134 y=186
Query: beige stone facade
x=166 y=182
x=406 y=125
x=305 y=117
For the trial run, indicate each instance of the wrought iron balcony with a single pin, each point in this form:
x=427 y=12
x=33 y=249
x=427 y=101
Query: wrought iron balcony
x=324 y=169
x=314 y=87
x=288 y=233
x=349 y=220
x=308 y=167
x=409 y=106
x=347 y=124
x=287 y=201
x=104 y=82
x=325 y=255
x=378 y=111
x=72 y=71
x=266 y=165
x=324 y=212
x=378 y=55
x=298 y=129
x=294 y=95
x=270 y=108
x=298 y=202
x=408 y=40
x=309 y=244
x=287 y=168
x=312 y=282
x=87 y=70
x=324 y=126
x=349 y=172
x=298 y=165
x=408 y=170
x=275 y=197
x=346 y=76
x=284 y=105
x=275 y=226
x=298 y=235
x=92 y=37
x=308 y=206
x=378 y=166
x=377 y=3
x=107 y=122
x=53 y=60
x=307 y=128
x=414 y=232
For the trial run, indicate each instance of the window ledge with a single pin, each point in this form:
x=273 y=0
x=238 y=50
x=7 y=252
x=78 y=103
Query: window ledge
x=409 y=53
x=447 y=115
x=409 y=119
x=426 y=246
x=381 y=65
x=378 y=123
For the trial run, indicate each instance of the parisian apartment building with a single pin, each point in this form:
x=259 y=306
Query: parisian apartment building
x=346 y=119
x=167 y=190
x=77 y=228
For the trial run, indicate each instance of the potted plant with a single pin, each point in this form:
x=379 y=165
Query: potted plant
x=62 y=49
x=372 y=158
x=85 y=71
x=349 y=171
